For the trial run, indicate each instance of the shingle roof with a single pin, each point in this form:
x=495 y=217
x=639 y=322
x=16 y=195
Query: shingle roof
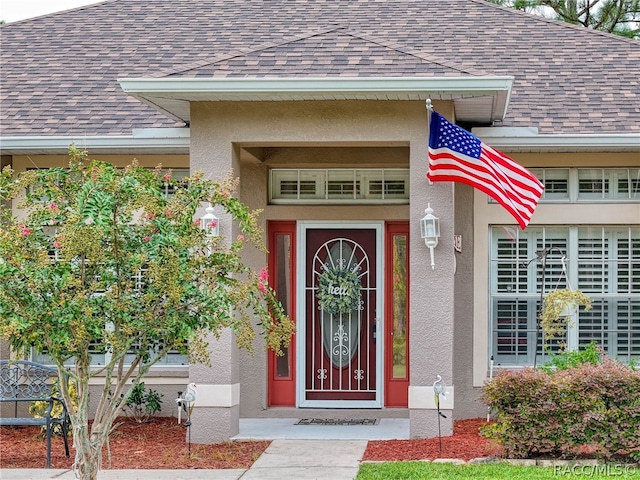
x=334 y=53
x=59 y=72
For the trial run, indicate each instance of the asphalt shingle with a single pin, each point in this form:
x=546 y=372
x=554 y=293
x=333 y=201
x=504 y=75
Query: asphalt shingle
x=58 y=73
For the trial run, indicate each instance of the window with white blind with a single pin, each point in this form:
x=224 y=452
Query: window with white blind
x=589 y=185
x=602 y=262
x=98 y=355
x=101 y=357
x=339 y=186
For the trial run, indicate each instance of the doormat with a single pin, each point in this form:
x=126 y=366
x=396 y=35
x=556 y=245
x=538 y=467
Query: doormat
x=337 y=421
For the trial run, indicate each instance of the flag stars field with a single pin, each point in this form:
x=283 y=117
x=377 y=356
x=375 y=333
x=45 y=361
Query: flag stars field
x=456 y=155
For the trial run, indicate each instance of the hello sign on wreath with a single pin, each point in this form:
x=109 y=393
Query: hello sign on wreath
x=338 y=290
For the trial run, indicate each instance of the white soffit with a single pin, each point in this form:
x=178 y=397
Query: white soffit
x=477 y=99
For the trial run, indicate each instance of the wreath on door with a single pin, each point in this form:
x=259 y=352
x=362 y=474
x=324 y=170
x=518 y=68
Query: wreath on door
x=338 y=290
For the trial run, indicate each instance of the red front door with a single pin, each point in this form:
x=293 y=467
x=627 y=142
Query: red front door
x=340 y=325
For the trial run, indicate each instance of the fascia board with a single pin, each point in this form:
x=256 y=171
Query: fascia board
x=172 y=96
x=622 y=142
x=151 y=141
x=155 y=142
x=311 y=86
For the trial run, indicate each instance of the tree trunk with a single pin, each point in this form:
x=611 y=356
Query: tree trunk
x=88 y=443
x=88 y=453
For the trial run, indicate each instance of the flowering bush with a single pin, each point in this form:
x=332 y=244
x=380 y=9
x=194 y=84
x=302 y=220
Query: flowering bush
x=565 y=412
x=101 y=259
x=39 y=408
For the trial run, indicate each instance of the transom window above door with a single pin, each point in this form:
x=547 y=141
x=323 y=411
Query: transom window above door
x=339 y=185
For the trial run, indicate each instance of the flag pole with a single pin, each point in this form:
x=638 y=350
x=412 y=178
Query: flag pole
x=429 y=110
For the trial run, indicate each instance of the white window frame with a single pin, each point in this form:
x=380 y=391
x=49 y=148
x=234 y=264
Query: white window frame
x=360 y=181
x=573 y=177
x=548 y=212
x=172 y=358
x=606 y=297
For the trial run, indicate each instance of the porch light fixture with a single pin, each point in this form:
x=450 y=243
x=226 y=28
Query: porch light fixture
x=210 y=223
x=430 y=231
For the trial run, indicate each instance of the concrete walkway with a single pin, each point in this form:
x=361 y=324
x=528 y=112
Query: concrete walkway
x=308 y=460
x=283 y=459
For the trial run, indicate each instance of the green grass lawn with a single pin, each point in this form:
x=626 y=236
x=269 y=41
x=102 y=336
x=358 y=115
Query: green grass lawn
x=489 y=471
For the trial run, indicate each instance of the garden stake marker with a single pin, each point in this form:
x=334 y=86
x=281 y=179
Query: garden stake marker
x=186 y=401
x=439 y=388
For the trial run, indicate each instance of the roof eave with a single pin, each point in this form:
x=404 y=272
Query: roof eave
x=168 y=141
x=174 y=95
x=148 y=141
x=559 y=143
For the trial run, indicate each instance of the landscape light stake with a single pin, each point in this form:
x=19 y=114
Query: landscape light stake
x=185 y=402
x=490 y=378
x=439 y=388
x=188 y=425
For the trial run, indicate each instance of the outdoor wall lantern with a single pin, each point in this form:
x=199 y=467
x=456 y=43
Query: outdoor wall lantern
x=430 y=231
x=210 y=223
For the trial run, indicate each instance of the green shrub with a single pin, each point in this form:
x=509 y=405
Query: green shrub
x=589 y=354
x=563 y=413
x=143 y=403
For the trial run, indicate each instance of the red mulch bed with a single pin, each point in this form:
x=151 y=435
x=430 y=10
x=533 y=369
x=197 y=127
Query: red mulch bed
x=466 y=443
x=162 y=443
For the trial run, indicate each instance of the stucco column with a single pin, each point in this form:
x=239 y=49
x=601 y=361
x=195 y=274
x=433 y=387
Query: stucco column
x=431 y=301
x=216 y=414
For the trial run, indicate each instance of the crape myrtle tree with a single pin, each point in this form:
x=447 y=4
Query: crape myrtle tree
x=100 y=260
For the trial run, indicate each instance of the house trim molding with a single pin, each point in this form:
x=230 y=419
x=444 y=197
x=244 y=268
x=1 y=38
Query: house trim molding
x=528 y=140
x=487 y=96
x=423 y=398
x=176 y=141
x=224 y=395
x=143 y=141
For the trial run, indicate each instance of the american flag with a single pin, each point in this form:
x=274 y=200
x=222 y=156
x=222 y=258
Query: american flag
x=456 y=155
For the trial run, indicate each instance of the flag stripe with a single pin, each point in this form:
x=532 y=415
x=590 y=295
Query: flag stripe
x=487 y=184
x=444 y=164
x=519 y=176
x=483 y=171
x=458 y=156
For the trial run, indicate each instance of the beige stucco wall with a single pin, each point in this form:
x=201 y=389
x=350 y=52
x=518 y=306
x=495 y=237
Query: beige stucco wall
x=447 y=338
x=251 y=137
x=467 y=403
